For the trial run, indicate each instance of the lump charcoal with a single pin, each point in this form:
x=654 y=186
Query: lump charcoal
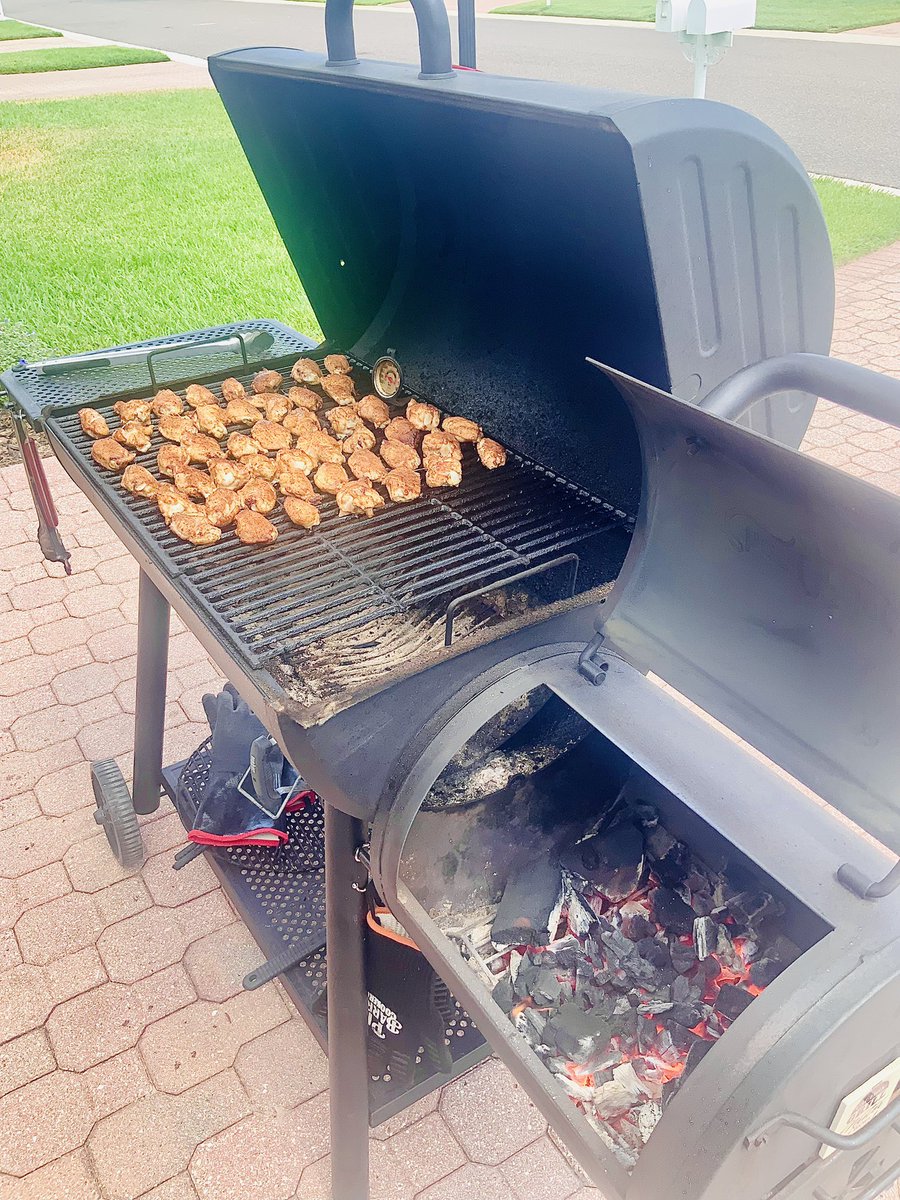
x=503 y=994
x=684 y=991
x=548 y=988
x=535 y=1024
x=705 y=932
x=670 y=911
x=689 y=1014
x=637 y=927
x=531 y=895
x=566 y=953
x=578 y=1034
x=696 y=1054
x=725 y=950
x=613 y=861
x=671 y=858
x=682 y=955
x=581 y=915
x=654 y=1006
x=617 y=945
x=701 y=903
x=648 y=1117
x=732 y=1000
x=655 y=952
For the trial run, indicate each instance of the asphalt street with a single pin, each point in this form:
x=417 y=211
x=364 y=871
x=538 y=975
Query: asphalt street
x=836 y=103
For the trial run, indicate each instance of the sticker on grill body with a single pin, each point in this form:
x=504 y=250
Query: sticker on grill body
x=864 y=1103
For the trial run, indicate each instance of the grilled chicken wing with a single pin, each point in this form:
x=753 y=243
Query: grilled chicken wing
x=403 y=485
x=133 y=410
x=400 y=430
x=299 y=419
x=222 y=506
x=167 y=403
x=295 y=460
x=196 y=484
x=339 y=388
x=462 y=429
x=337 y=364
x=196 y=394
x=374 y=410
x=330 y=477
x=241 y=444
x=200 y=447
x=439 y=444
x=93 y=423
x=491 y=453
x=277 y=406
x=239 y=411
x=228 y=474
x=359 y=499
x=267 y=381
x=232 y=389
x=260 y=466
x=361 y=438
x=302 y=512
x=398 y=454
x=211 y=420
x=303 y=397
x=172 y=459
x=258 y=495
x=366 y=465
x=443 y=472
x=254 y=529
x=194 y=527
x=134 y=435
x=271 y=436
x=139 y=482
x=321 y=446
x=296 y=483
x=174 y=427
x=306 y=370
x=423 y=416
x=171 y=502
x=343 y=419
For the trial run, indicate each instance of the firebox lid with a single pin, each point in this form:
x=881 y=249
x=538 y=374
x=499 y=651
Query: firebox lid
x=764 y=586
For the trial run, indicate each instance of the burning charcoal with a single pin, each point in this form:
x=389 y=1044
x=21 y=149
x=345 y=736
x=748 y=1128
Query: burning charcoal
x=578 y=1034
x=566 y=954
x=637 y=927
x=529 y=899
x=751 y=908
x=655 y=952
x=581 y=916
x=654 y=1006
x=503 y=994
x=671 y=859
x=696 y=1054
x=732 y=1000
x=535 y=1022
x=613 y=861
x=689 y=1014
x=764 y=970
x=701 y=903
x=548 y=989
x=682 y=954
x=683 y=991
x=648 y=1117
x=670 y=911
x=705 y=936
x=725 y=950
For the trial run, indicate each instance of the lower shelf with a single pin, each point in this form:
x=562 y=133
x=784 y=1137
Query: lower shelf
x=280 y=895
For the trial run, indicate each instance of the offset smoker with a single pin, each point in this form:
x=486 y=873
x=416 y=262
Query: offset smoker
x=442 y=219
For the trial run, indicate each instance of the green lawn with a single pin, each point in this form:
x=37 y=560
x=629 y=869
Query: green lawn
x=819 y=16
x=126 y=217
x=11 y=31
x=74 y=58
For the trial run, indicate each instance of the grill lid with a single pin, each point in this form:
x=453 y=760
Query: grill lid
x=765 y=587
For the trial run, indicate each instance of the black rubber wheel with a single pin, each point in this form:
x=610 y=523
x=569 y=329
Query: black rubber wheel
x=115 y=812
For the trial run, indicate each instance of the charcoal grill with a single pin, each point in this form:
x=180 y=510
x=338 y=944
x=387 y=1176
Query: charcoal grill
x=440 y=217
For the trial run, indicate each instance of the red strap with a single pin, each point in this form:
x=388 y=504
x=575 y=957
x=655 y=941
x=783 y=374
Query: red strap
x=259 y=837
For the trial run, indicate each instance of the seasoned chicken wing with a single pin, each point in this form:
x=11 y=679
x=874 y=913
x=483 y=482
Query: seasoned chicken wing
x=171 y=459
x=321 y=446
x=337 y=364
x=254 y=529
x=233 y=389
x=222 y=506
x=139 y=482
x=171 y=502
x=443 y=472
x=277 y=406
x=93 y=423
x=398 y=454
x=366 y=465
x=173 y=427
x=196 y=484
x=167 y=403
x=134 y=435
x=374 y=410
x=258 y=495
x=361 y=438
x=330 y=477
x=200 y=447
x=343 y=419
x=306 y=370
x=491 y=453
x=241 y=444
x=196 y=394
x=400 y=430
x=228 y=474
x=211 y=420
x=299 y=419
x=239 y=411
x=403 y=485
x=193 y=527
x=423 y=416
x=271 y=436
x=302 y=512
x=260 y=466
x=267 y=381
x=339 y=388
x=133 y=410
x=462 y=429
x=359 y=499
x=295 y=460
x=303 y=397
x=295 y=483
x=439 y=444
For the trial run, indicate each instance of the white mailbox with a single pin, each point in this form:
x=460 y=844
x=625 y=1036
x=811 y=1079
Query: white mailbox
x=706 y=17
x=671 y=15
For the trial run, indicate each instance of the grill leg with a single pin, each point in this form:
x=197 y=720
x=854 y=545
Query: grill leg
x=150 y=698
x=348 y=1078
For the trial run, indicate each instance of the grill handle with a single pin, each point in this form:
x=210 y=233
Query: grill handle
x=434 y=36
x=833 y=379
x=820 y=1133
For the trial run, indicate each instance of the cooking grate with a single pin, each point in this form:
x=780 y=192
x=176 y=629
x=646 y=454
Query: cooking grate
x=270 y=601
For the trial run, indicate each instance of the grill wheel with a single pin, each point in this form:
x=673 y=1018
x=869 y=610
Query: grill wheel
x=115 y=812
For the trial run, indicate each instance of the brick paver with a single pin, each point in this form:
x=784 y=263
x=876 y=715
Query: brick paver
x=132 y=1065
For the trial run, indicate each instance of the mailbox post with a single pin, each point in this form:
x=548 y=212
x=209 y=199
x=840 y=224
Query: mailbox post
x=705 y=30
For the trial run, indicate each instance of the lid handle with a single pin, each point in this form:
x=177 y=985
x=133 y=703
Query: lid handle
x=434 y=36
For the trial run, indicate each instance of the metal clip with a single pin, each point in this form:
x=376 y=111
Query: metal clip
x=589 y=661
x=361 y=855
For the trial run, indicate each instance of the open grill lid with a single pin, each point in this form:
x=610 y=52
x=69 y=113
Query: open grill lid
x=765 y=587
x=492 y=232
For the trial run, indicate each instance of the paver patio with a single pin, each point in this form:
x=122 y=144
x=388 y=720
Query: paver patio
x=131 y=1062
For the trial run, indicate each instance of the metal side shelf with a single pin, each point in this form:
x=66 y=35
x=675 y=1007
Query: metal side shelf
x=279 y=893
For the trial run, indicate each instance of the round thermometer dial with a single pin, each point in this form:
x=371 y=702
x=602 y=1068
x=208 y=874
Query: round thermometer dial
x=386 y=377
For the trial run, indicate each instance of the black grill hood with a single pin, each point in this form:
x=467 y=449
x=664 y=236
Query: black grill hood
x=494 y=232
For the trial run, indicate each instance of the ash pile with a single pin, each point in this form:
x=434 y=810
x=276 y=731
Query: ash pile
x=622 y=958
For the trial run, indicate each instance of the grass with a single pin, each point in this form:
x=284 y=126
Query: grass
x=13 y=31
x=816 y=16
x=75 y=58
x=859 y=219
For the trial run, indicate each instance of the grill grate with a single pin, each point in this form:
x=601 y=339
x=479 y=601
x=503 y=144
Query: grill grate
x=274 y=600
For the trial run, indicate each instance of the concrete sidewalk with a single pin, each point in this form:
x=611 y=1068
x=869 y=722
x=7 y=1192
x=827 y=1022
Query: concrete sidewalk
x=103 y=81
